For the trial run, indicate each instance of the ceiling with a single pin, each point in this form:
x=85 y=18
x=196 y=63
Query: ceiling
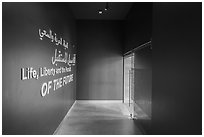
x=89 y=10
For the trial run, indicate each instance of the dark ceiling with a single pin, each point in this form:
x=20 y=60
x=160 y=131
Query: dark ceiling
x=89 y=10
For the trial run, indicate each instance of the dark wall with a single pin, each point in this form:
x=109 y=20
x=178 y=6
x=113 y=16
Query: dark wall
x=138 y=25
x=177 y=68
x=100 y=62
x=24 y=110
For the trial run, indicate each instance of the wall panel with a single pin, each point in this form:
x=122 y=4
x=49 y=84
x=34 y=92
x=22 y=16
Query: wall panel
x=24 y=110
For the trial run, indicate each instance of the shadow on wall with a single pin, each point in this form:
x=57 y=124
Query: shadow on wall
x=99 y=67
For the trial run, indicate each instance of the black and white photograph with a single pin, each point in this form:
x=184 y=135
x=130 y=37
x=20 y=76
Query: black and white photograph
x=101 y=67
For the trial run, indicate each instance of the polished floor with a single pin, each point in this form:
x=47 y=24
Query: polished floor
x=98 y=118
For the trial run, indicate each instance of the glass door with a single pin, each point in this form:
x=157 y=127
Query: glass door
x=138 y=82
x=129 y=83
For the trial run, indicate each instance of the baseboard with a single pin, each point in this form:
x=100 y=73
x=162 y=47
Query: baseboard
x=102 y=101
x=64 y=117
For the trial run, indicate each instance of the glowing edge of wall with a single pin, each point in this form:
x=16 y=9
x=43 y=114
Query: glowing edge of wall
x=64 y=118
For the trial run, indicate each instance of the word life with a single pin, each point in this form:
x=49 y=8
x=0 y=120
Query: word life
x=28 y=73
x=31 y=73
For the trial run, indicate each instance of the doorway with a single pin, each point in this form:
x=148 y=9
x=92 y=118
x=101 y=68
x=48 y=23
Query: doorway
x=129 y=83
x=138 y=81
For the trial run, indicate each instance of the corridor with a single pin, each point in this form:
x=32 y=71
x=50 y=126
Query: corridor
x=98 y=118
x=102 y=68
